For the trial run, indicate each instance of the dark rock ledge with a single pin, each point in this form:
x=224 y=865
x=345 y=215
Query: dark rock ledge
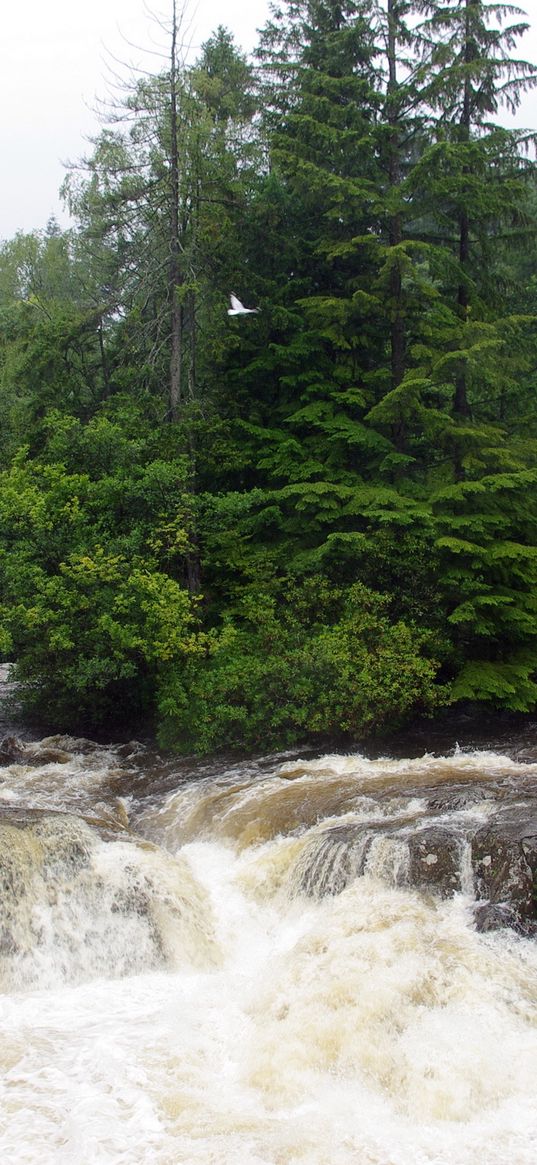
x=495 y=862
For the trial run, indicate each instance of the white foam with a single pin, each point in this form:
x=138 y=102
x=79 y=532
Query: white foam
x=370 y=1028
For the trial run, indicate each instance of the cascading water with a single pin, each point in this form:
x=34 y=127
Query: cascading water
x=265 y=964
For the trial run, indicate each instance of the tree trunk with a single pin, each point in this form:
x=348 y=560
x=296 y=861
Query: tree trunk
x=104 y=361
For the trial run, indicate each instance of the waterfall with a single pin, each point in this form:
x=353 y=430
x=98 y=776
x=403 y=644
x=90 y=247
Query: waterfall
x=75 y=907
x=264 y=963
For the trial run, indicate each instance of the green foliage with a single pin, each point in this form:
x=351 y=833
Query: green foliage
x=93 y=638
x=312 y=661
x=318 y=520
x=504 y=685
x=89 y=606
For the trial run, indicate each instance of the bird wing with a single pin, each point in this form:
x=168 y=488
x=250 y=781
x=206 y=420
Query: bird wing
x=236 y=303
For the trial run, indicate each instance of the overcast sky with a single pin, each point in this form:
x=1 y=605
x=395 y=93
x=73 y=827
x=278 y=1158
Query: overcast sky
x=53 y=64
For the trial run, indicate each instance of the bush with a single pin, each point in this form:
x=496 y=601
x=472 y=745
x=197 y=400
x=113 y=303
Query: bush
x=277 y=675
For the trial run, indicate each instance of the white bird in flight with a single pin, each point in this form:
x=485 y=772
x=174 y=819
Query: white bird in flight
x=238 y=309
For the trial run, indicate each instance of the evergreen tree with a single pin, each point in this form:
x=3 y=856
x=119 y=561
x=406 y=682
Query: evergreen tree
x=158 y=178
x=481 y=167
x=51 y=333
x=478 y=178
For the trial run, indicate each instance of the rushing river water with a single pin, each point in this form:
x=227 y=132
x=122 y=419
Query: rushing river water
x=230 y=965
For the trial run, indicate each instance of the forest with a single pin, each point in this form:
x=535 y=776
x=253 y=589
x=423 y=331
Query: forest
x=319 y=519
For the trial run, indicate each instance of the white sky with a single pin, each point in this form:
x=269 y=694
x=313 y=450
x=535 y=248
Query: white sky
x=53 y=65
x=54 y=57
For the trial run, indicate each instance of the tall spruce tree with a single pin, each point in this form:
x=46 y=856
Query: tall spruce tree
x=321 y=146
x=481 y=166
x=344 y=137
x=478 y=177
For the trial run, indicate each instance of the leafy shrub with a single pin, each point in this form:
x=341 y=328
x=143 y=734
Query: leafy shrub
x=277 y=674
x=94 y=636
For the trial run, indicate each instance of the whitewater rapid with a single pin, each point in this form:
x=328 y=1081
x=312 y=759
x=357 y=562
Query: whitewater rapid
x=188 y=976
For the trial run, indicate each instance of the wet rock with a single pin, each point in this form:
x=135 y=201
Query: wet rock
x=435 y=860
x=498 y=864
x=130 y=748
x=504 y=860
x=450 y=798
x=489 y=916
x=11 y=749
x=428 y=859
x=48 y=756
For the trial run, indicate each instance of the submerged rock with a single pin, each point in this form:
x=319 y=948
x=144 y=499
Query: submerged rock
x=332 y=860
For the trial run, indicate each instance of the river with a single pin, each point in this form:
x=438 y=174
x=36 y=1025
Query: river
x=234 y=964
